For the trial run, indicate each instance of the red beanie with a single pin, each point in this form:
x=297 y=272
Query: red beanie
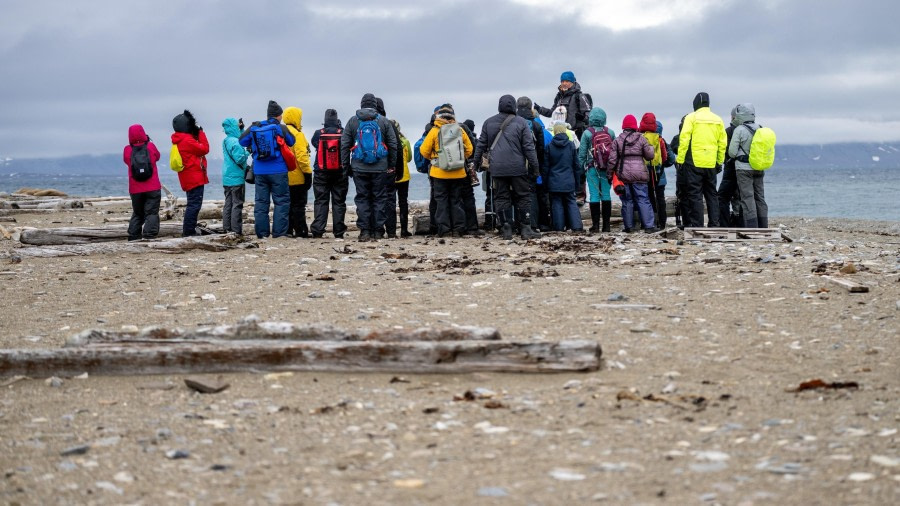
x=629 y=123
x=648 y=122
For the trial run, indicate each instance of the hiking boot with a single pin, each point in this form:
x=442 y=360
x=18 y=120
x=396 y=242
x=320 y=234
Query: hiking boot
x=476 y=232
x=652 y=230
x=528 y=233
x=405 y=233
x=365 y=237
x=506 y=230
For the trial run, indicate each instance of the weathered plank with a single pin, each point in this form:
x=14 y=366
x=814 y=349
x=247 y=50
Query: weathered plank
x=334 y=356
x=726 y=234
x=253 y=329
x=851 y=286
x=175 y=245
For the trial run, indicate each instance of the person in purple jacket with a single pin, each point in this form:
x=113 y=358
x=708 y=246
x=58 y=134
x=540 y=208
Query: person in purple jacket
x=626 y=158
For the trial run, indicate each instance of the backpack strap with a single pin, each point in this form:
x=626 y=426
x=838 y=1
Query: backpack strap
x=500 y=132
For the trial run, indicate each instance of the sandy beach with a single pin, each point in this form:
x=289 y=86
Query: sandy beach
x=694 y=403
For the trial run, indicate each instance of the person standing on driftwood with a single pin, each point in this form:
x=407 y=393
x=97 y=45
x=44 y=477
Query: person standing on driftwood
x=140 y=156
x=193 y=147
x=234 y=170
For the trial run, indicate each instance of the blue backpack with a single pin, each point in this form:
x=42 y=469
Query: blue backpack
x=263 y=135
x=422 y=164
x=370 y=147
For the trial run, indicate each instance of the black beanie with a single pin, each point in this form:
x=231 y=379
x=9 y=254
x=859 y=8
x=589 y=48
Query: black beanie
x=274 y=110
x=701 y=100
x=379 y=106
x=368 y=102
x=181 y=124
x=331 y=119
x=469 y=123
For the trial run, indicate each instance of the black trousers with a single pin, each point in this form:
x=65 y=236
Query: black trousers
x=402 y=191
x=450 y=215
x=700 y=186
x=468 y=202
x=330 y=187
x=297 y=217
x=144 y=222
x=728 y=190
x=374 y=194
x=390 y=208
x=512 y=192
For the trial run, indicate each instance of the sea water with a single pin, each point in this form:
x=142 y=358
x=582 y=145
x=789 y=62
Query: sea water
x=870 y=193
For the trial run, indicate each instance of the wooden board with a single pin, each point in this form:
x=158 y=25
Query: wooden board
x=726 y=234
x=851 y=286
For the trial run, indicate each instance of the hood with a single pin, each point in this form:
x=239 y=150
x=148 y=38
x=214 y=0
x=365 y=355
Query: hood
x=507 y=104
x=293 y=116
x=379 y=106
x=136 y=135
x=659 y=127
x=231 y=128
x=560 y=140
x=629 y=122
x=368 y=102
x=597 y=117
x=744 y=113
x=331 y=119
x=648 y=122
x=366 y=113
x=701 y=100
x=734 y=121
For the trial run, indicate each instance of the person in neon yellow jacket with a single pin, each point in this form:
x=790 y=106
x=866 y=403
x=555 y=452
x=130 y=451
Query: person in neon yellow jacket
x=300 y=180
x=701 y=152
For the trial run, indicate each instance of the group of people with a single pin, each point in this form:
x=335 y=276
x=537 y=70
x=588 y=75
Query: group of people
x=535 y=176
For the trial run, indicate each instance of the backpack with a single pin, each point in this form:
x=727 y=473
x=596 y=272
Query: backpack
x=762 y=148
x=175 y=161
x=370 y=147
x=601 y=144
x=422 y=164
x=660 y=155
x=328 y=152
x=451 y=152
x=141 y=167
x=263 y=139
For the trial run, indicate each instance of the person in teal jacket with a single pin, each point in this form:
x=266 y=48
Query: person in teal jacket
x=234 y=167
x=598 y=184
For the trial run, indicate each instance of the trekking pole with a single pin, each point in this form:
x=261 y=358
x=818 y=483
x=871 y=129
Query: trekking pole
x=493 y=209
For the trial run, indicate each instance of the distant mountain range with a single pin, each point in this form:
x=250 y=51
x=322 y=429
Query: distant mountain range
x=841 y=155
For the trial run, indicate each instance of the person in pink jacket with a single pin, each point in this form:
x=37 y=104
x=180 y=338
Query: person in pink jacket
x=626 y=158
x=140 y=156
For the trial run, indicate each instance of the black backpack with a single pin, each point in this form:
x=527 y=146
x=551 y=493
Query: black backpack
x=141 y=167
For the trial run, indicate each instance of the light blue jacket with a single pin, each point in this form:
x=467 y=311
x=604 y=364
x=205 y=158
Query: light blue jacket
x=234 y=154
x=597 y=119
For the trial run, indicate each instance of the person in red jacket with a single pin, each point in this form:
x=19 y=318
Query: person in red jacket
x=140 y=156
x=193 y=147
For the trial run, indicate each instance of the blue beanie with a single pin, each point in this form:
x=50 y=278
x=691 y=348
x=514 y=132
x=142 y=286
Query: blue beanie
x=567 y=76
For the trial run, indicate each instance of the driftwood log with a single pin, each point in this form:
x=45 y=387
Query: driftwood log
x=175 y=245
x=86 y=235
x=284 y=347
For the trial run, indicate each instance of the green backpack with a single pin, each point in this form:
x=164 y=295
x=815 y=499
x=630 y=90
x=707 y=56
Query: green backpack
x=762 y=148
x=451 y=150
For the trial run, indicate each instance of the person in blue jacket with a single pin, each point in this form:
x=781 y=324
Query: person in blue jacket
x=234 y=168
x=562 y=175
x=270 y=172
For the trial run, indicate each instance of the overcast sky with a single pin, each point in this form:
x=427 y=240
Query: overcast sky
x=75 y=75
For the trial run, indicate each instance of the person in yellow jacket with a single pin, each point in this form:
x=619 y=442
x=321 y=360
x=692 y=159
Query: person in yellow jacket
x=701 y=152
x=450 y=216
x=401 y=186
x=300 y=180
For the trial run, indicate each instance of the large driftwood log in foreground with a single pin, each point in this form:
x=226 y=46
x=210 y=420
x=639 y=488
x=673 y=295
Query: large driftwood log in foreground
x=175 y=245
x=85 y=235
x=253 y=345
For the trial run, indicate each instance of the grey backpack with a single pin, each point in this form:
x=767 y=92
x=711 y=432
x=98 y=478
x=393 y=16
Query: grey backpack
x=451 y=153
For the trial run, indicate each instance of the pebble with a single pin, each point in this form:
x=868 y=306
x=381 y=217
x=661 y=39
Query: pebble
x=409 y=483
x=124 y=477
x=572 y=384
x=883 y=460
x=861 y=476
x=53 y=382
x=616 y=297
x=669 y=388
x=177 y=454
x=566 y=475
x=109 y=487
x=315 y=295
x=208 y=297
x=711 y=456
x=75 y=450
x=492 y=492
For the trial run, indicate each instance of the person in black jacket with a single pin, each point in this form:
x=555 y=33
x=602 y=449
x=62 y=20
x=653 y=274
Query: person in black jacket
x=680 y=181
x=468 y=192
x=512 y=163
x=329 y=183
x=390 y=211
x=540 y=199
x=728 y=187
x=573 y=99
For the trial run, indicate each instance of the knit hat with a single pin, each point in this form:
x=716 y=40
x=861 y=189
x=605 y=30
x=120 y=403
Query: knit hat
x=274 y=110
x=368 y=102
x=331 y=119
x=659 y=127
x=629 y=123
x=648 y=122
x=446 y=113
x=469 y=123
x=559 y=128
x=701 y=100
x=567 y=76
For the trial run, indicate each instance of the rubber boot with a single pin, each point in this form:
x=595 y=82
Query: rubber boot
x=404 y=225
x=595 y=217
x=506 y=230
x=529 y=233
x=762 y=221
x=607 y=214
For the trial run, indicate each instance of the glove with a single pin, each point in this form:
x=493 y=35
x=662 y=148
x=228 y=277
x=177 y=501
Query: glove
x=583 y=179
x=719 y=168
x=348 y=172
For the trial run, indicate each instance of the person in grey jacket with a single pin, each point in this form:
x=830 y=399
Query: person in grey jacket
x=373 y=181
x=513 y=166
x=749 y=181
